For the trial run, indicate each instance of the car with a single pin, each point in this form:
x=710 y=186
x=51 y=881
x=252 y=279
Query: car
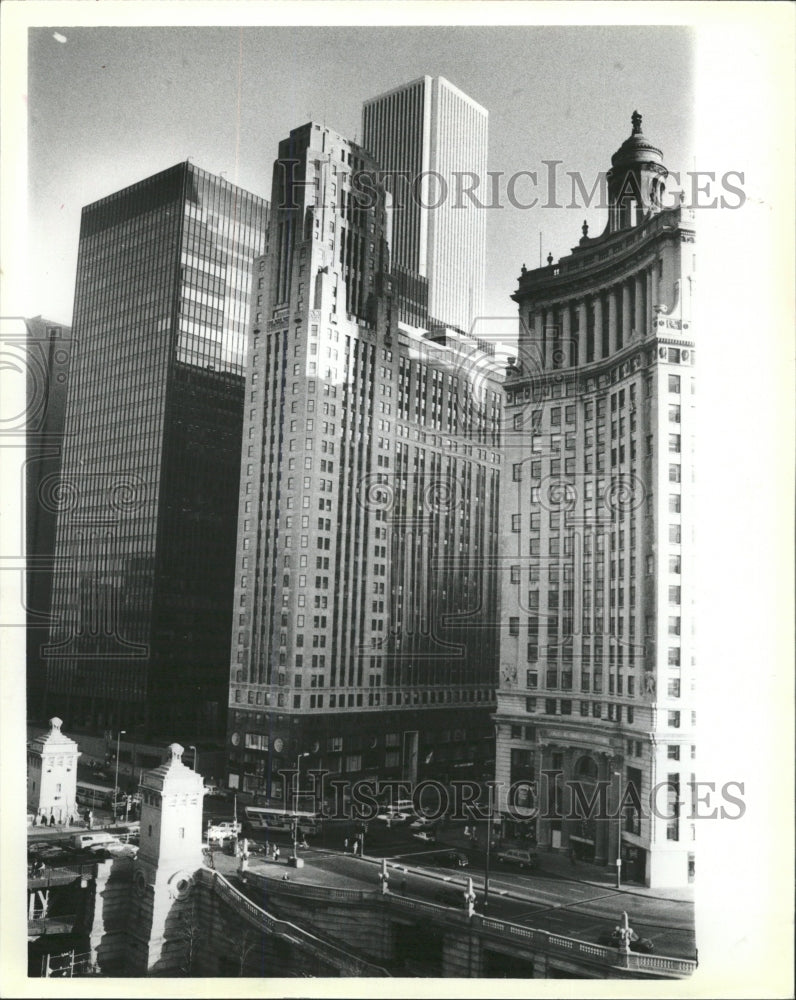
x=427 y=835
x=518 y=856
x=449 y=859
x=45 y=851
x=223 y=831
x=394 y=818
x=613 y=939
x=424 y=823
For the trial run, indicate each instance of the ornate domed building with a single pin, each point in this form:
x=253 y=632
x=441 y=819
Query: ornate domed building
x=597 y=658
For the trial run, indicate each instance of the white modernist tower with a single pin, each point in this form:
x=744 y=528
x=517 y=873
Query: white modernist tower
x=433 y=134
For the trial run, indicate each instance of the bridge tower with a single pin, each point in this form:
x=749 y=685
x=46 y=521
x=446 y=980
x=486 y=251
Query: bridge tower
x=163 y=924
x=52 y=775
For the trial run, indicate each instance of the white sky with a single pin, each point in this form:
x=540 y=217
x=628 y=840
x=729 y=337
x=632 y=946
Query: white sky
x=111 y=106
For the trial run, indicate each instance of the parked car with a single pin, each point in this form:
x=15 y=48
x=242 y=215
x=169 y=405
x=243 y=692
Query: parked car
x=223 y=831
x=449 y=859
x=613 y=939
x=518 y=856
x=84 y=841
x=45 y=851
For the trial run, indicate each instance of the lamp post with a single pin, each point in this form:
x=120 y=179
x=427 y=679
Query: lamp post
x=192 y=747
x=122 y=732
x=618 y=774
x=488 y=845
x=299 y=758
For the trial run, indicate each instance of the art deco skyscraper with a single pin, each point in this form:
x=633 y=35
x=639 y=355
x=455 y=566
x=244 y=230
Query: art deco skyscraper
x=366 y=596
x=145 y=547
x=597 y=649
x=429 y=131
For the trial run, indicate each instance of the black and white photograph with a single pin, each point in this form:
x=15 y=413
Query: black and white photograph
x=397 y=468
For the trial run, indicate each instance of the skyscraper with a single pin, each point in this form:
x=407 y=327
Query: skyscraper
x=48 y=357
x=366 y=596
x=597 y=649
x=146 y=529
x=426 y=133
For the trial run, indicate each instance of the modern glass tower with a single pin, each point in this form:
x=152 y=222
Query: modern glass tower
x=427 y=132
x=142 y=596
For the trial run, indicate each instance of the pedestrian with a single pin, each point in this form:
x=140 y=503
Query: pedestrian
x=356 y=848
x=467 y=829
x=276 y=854
x=52 y=819
x=345 y=846
x=573 y=858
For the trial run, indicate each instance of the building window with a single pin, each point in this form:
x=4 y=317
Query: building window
x=514 y=626
x=674 y=503
x=516 y=520
x=674 y=595
x=674 y=443
x=516 y=472
x=674 y=656
x=674 y=533
x=530 y=705
x=674 y=473
x=674 y=720
x=674 y=383
x=515 y=574
x=550 y=706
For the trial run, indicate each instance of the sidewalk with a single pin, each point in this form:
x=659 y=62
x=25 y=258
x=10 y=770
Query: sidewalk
x=557 y=864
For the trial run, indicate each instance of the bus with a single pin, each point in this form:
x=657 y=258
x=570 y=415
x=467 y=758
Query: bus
x=263 y=818
x=94 y=796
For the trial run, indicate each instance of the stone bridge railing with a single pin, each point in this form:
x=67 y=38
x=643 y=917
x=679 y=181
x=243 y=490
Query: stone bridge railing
x=530 y=938
x=345 y=962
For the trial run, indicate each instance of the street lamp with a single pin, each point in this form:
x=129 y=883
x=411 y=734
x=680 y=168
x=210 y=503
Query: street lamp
x=618 y=774
x=299 y=759
x=192 y=747
x=488 y=845
x=122 y=732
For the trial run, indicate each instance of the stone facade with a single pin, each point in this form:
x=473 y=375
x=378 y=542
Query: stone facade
x=52 y=775
x=597 y=657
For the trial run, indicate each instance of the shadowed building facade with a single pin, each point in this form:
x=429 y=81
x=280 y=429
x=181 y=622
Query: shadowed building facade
x=597 y=648
x=365 y=591
x=142 y=595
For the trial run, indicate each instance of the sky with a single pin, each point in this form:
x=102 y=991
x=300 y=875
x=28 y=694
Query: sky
x=109 y=106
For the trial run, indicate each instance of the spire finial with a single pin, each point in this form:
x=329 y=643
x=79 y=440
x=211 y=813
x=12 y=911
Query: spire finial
x=585 y=228
x=635 y=118
x=549 y=259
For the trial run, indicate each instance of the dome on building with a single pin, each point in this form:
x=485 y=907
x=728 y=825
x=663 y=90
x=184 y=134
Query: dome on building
x=636 y=148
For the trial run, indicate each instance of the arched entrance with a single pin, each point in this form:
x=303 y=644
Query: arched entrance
x=585 y=808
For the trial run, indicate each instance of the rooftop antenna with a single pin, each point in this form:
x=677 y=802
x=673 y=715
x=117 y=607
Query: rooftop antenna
x=540 y=248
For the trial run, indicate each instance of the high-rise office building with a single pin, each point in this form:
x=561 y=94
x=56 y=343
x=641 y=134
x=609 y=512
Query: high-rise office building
x=142 y=596
x=597 y=648
x=365 y=592
x=48 y=350
x=429 y=135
